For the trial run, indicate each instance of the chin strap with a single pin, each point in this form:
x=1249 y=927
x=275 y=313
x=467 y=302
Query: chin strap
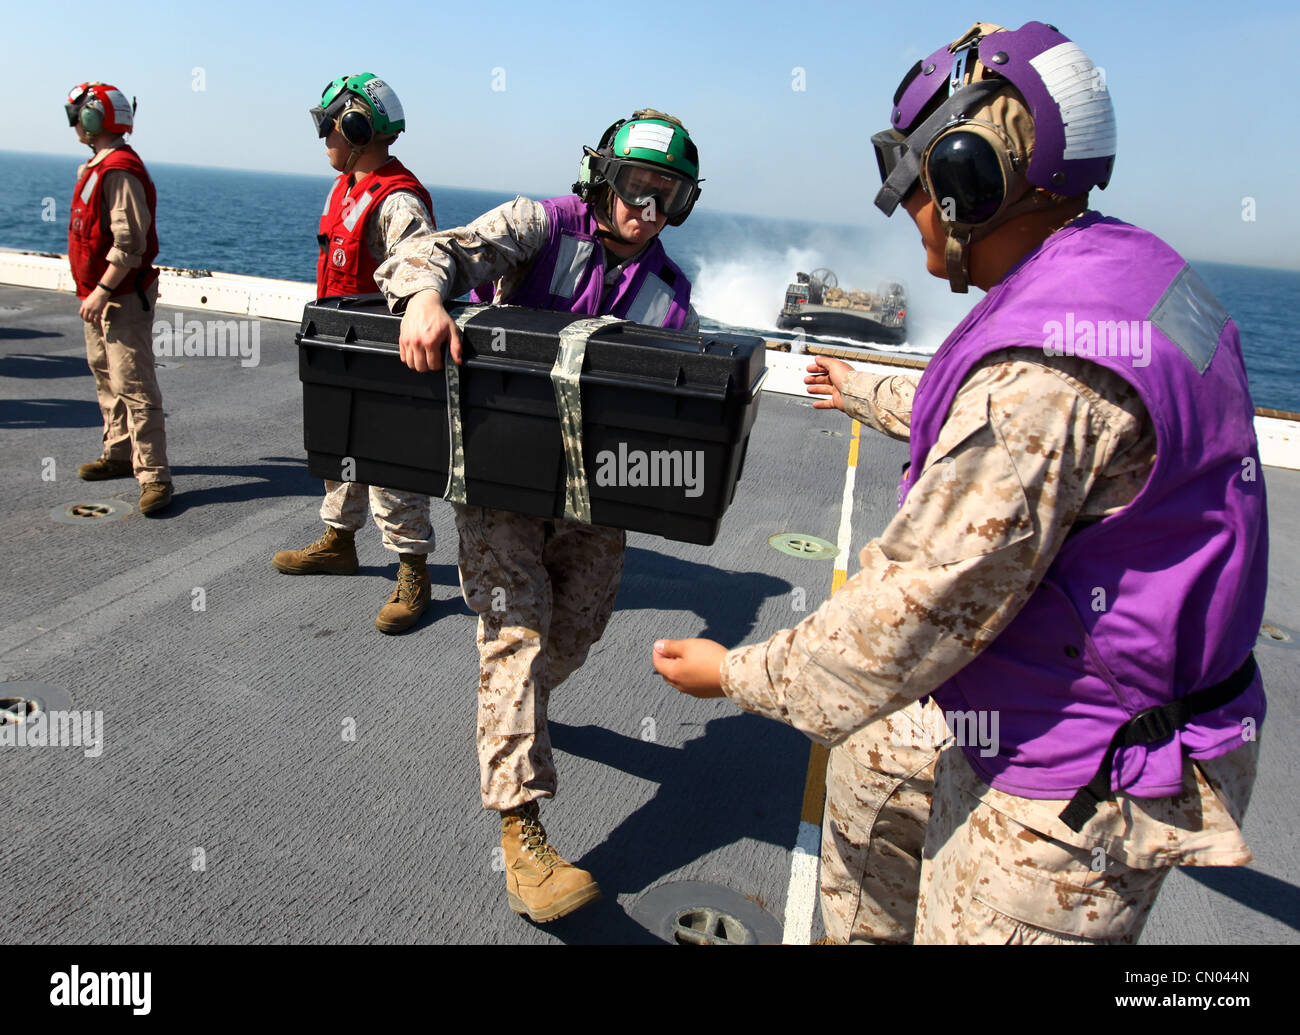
x=956 y=257
x=956 y=250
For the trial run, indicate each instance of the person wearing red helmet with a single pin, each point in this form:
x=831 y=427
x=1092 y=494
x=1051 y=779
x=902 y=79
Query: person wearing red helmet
x=1076 y=574
x=112 y=242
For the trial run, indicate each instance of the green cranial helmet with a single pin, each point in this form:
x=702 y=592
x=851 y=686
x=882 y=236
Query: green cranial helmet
x=362 y=106
x=647 y=159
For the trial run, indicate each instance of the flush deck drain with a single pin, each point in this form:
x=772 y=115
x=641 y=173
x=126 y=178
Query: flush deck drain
x=695 y=913
x=87 y=512
x=809 y=547
x=1274 y=634
x=22 y=702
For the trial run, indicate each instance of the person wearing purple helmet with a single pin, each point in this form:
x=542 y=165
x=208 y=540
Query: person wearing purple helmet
x=1039 y=686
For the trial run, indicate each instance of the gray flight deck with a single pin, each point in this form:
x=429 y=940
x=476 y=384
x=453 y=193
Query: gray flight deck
x=229 y=805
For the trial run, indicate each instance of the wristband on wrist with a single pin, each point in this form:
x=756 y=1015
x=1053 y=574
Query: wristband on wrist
x=101 y=284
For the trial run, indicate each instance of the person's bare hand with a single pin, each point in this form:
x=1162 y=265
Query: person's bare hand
x=426 y=327
x=825 y=376
x=93 y=306
x=692 y=666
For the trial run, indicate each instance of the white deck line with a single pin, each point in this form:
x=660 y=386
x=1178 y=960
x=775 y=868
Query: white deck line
x=801 y=892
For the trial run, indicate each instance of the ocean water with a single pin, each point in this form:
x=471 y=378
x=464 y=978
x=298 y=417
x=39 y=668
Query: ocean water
x=264 y=224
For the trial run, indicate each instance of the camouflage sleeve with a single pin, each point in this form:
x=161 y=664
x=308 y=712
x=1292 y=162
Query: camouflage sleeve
x=880 y=401
x=401 y=215
x=1028 y=448
x=452 y=262
x=127 y=208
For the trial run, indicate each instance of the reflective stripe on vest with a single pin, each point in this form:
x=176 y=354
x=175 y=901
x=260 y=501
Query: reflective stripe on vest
x=356 y=211
x=575 y=253
x=651 y=303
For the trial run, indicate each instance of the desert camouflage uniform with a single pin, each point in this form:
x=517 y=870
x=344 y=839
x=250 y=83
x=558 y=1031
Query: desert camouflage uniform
x=402 y=517
x=498 y=246
x=914 y=845
x=543 y=589
x=119 y=349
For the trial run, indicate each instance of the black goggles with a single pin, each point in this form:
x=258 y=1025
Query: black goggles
x=640 y=186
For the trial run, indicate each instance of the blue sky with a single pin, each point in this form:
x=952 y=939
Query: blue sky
x=1204 y=123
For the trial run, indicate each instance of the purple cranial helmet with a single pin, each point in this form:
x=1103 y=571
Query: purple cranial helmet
x=942 y=133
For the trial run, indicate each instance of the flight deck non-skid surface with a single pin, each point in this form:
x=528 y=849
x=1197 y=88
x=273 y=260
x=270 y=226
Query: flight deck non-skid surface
x=274 y=769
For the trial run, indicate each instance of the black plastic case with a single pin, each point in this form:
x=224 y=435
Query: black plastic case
x=685 y=402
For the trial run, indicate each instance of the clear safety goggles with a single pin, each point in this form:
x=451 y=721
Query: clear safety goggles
x=640 y=185
x=342 y=109
x=76 y=101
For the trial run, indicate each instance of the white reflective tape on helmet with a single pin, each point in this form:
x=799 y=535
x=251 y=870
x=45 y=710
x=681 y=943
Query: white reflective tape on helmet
x=649 y=135
x=122 y=114
x=385 y=101
x=1079 y=89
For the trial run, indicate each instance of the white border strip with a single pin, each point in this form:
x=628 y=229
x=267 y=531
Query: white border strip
x=801 y=894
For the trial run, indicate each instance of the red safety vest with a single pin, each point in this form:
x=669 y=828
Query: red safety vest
x=89 y=235
x=345 y=266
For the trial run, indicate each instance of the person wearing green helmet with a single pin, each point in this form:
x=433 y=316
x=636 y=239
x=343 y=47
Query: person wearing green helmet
x=375 y=203
x=544 y=589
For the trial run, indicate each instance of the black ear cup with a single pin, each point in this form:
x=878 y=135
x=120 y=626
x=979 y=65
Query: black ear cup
x=356 y=128
x=966 y=177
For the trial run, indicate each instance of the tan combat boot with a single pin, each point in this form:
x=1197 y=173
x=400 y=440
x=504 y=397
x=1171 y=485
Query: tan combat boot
x=105 y=468
x=410 y=597
x=154 y=496
x=334 y=553
x=538 y=881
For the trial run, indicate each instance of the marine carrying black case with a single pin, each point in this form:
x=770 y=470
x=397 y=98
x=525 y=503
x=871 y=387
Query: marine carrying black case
x=665 y=416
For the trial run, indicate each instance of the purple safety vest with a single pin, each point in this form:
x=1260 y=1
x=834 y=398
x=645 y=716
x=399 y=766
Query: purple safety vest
x=568 y=275
x=1153 y=602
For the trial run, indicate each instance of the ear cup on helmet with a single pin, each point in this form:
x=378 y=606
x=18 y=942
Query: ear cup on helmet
x=356 y=128
x=91 y=118
x=965 y=177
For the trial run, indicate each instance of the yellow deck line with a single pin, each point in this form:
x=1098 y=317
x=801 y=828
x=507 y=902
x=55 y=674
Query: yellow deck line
x=814 y=787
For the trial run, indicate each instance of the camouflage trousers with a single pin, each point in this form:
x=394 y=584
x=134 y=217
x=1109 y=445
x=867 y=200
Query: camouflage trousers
x=402 y=517
x=119 y=350
x=909 y=854
x=543 y=590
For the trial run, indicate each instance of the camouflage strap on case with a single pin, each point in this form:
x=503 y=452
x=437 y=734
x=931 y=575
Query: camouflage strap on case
x=565 y=378
x=455 y=491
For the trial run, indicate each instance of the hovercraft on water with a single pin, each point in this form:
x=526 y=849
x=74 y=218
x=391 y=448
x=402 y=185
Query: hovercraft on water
x=816 y=304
